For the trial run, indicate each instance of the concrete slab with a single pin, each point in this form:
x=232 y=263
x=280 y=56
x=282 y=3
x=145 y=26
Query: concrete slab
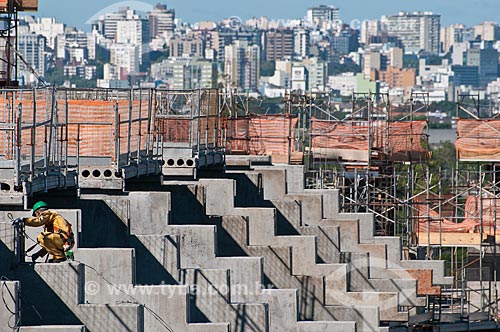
x=53 y=328
x=9 y=307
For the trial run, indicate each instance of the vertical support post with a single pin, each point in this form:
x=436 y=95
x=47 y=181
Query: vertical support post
x=151 y=117
x=198 y=131
x=139 y=132
x=66 y=142
x=46 y=156
x=206 y=116
x=427 y=203
x=78 y=157
x=117 y=136
x=33 y=138
x=481 y=231
x=18 y=143
x=129 y=129
x=51 y=124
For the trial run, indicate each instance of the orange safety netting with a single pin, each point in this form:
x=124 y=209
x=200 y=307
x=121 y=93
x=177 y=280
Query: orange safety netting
x=198 y=125
x=133 y=125
x=429 y=219
x=174 y=130
x=32 y=137
x=478 y=140
x=398 y=137
x=91 y=125
x=86 y=125
x=261 y=135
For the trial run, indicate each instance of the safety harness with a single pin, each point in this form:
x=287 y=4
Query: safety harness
x=67 y=237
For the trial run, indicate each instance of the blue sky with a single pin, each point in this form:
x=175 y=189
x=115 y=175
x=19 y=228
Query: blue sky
x=469 y=12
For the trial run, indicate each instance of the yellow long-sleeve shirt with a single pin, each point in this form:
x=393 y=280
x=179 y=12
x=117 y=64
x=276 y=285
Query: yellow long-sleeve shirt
x=52 y=221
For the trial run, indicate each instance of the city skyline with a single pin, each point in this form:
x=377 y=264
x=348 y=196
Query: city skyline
x=466 y=12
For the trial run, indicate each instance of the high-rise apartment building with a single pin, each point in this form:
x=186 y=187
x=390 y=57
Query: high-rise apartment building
x=279 y=44
x=451 y=35
x=370 y=28
x=161 y=20
x=187 y=47
x=47 y=27
x=321 y=14
x=133 y=30
x=242 y=65
x=302 y=40
x=418 y=31
x=217 y=40
x=125 y=56
x=185 y=73
x=32 y=47
x=488 y=31
x=485 y=57
x=107 y=23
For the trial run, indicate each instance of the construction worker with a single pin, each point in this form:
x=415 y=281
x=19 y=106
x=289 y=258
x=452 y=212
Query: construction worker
x=57 y=236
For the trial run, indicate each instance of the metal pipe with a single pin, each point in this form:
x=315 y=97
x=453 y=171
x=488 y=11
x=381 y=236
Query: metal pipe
x=33 y=139
x=116 y=136
x=66 y=140
x=139 y=131
x=18 y=144
x=129 y=136
x=78 y=158
x=151 y=117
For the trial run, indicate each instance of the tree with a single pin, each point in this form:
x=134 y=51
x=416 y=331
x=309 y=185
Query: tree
x=335 y=68
x=267 y=68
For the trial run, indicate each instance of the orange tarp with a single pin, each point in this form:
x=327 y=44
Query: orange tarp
x=270 y=135
x=403 y=136
x=91 y=122
x=429 y=219
x=175 y=130
x=478 y=140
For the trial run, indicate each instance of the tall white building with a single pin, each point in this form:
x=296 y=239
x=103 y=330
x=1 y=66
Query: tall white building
x=301 y=43
x=47 y=27
x=323 y=14
x=75 y=39
x=317 y=73
x=451 y=35
x=32 y=48
x=242 y=65
x=185 y=73
x=111 y=72
x=133 y=30
x=345 y=83
x=418 y=31
x=489 y=31
x=125 y=56
x=107 y=24
x=369 y=28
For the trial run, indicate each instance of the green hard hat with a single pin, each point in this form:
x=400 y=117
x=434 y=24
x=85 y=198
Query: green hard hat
x=38 y=206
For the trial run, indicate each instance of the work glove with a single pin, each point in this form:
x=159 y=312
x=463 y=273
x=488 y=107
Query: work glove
x=17 y=222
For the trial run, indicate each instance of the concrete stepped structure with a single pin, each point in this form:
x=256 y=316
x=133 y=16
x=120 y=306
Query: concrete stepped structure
x=320 y=208
x=331 y=278
x=99 y=290
x=253 y=251
x=315 y=212
x=191 y=250
x=164 y=307
x=377 y=273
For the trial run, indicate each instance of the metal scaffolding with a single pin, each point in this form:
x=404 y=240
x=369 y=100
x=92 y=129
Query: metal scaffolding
x=98 y=138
